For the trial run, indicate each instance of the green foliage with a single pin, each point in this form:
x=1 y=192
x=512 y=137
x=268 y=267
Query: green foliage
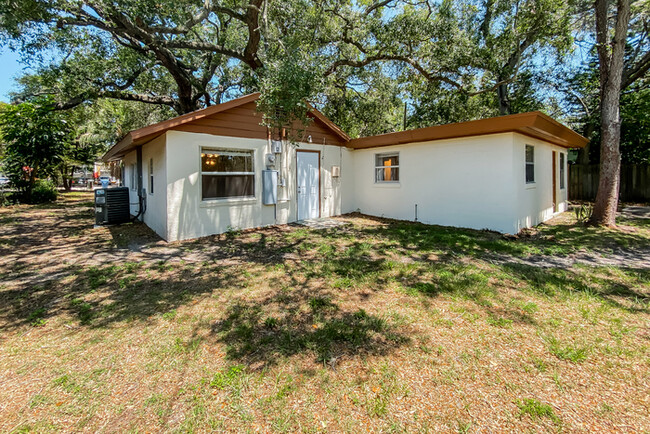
x=536 y=409
x=227 y=377
x=37 y=317
x=35 y=139
x=583 y=213
x=287 y=84
x=44 y=191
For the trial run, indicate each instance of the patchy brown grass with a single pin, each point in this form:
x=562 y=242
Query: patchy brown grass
x=373 y=326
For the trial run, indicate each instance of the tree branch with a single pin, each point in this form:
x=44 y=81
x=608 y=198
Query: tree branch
x=115 y=94
x=636 y=71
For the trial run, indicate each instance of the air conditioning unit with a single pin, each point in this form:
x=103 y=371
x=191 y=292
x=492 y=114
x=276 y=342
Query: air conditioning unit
x=112 y=206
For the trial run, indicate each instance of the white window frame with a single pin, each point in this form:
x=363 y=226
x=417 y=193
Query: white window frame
x=527 y=163
x=151 y=176
x=251 y=152
x=562 y=170
x=386 y=154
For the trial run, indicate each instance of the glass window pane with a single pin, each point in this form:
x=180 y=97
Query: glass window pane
x=530 y=154
x=530 y=173
x=214 y=161
x=387 y=174
x=390 y=160
x=387 y=160
x=379 y=175
x=223 y=186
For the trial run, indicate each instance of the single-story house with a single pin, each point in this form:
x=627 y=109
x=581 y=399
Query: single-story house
x=218 y=169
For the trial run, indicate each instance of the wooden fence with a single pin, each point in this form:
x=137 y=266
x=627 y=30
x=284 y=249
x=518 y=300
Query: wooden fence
x=635 y=182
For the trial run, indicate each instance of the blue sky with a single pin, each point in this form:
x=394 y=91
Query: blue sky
x=10 y=67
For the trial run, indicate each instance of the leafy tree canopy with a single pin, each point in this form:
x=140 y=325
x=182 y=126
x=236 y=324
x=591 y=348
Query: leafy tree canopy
x=35 y=140
x=189 y=54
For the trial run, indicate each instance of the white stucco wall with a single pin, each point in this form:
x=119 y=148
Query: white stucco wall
x=155 y=215
x=464 y=182
x=475 y=182
x=534 y=202
x=188 y=216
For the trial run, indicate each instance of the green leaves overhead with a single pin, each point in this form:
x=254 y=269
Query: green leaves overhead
x=449 y=60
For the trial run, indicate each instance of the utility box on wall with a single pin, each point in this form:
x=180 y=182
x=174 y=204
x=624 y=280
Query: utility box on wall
x=269 y=187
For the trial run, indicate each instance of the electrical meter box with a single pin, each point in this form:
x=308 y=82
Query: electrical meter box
x=269 y=187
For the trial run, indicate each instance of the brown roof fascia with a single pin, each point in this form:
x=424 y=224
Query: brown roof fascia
x=145 y=134
x=535 y=124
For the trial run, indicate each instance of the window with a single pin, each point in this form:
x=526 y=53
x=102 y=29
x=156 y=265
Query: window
x=132 y=170
x=227 y=174
x=386 y=167
x=562 y=163
x=151 y=176
x=530 y=164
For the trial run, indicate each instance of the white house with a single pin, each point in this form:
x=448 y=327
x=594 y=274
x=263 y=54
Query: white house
x=218 y=169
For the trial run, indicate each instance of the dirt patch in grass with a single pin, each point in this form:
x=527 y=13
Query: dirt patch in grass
x=375 y=325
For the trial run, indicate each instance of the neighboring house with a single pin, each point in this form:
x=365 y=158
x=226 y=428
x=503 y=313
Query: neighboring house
x=213 y=170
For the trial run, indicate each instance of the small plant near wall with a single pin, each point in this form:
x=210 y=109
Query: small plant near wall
x=583 y=213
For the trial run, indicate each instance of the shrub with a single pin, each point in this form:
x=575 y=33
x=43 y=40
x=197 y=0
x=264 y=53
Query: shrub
x=583 y=213
x=44 y=191
x=4 y=198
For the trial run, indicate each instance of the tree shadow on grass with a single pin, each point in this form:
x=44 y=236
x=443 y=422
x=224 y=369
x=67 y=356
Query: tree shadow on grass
x=99 y=296
x=608 y=289
x=556 y=239
x=271 y=328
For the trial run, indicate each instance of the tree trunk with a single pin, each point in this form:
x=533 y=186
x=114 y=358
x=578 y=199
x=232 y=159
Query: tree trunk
x=67 y=180
x=610 y=56
x=504 y=103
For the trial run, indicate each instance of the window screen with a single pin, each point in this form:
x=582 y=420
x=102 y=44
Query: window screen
x=227 y=173
x=562 y=170
x=386 y=167
x=530 y=164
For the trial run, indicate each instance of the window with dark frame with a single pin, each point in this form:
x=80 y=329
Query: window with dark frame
x=227 y=173
x=562 y=170
x=387 y=167
x=530 y=164
x=151 y=176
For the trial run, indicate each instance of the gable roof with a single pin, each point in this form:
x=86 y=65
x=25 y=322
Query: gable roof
x=533 y=124
x=189 y=121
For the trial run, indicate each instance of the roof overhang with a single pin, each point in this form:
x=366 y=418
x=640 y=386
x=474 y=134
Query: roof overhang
x=141 y=136
x=533 y=124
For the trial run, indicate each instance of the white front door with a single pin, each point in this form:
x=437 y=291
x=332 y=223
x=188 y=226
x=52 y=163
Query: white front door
x=308 y=185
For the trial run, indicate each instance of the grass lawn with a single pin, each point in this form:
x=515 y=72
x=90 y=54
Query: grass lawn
x=375 y=325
